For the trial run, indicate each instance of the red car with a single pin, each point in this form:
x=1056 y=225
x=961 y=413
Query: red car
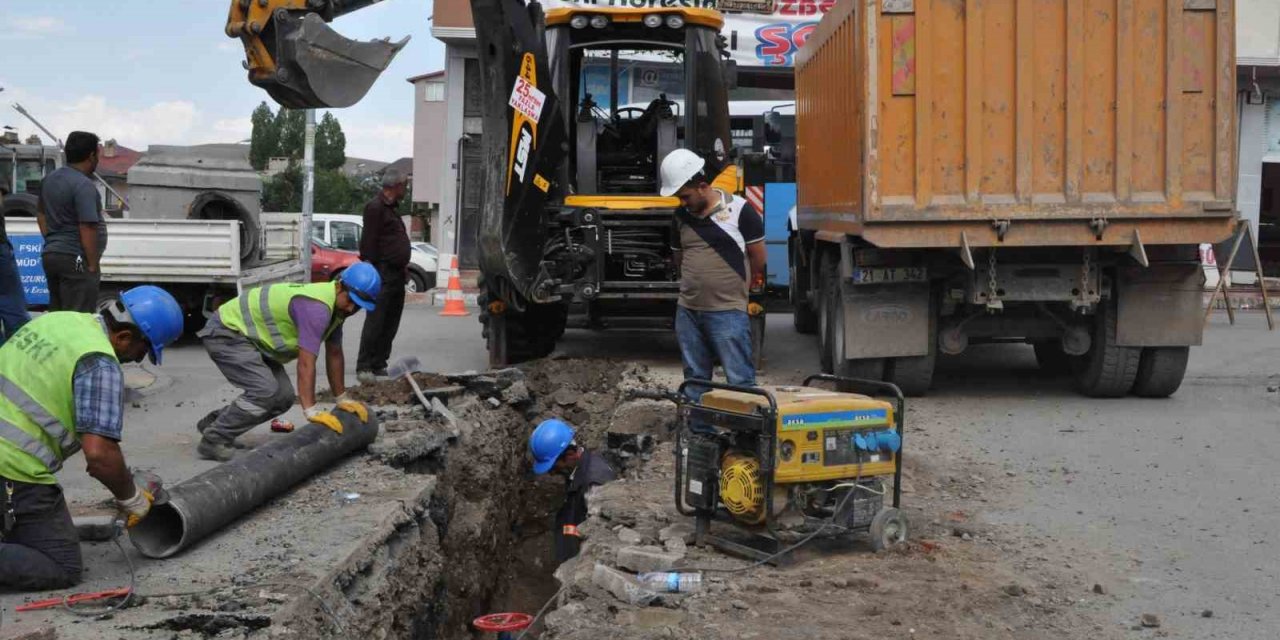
x=327 y=262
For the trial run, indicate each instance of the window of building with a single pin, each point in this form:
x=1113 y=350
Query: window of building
x=433 y=92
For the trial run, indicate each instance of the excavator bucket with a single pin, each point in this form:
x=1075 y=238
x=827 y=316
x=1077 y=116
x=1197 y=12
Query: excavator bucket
x=524 y=152
x=318 y=68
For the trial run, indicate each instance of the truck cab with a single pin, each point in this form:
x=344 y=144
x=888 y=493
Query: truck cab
x=23 y=166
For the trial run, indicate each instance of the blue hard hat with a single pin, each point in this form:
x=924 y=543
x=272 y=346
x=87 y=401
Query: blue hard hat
x=547 y=442
x=363 y=283
x=154 y=311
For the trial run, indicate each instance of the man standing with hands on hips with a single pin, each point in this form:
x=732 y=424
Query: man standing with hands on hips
x=75 y=234
x=718 y=241
x=384 y=243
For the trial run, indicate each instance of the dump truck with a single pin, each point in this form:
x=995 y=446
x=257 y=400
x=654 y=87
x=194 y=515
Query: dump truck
x=1037 y=172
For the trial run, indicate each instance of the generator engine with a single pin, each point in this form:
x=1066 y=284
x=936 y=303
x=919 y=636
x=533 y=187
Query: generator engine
x=792 y=459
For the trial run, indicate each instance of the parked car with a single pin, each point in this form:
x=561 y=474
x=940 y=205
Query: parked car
x=327 y=262
x=342 y=231
x=427 y=260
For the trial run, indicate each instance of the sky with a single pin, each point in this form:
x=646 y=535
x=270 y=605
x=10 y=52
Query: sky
x=162 y=72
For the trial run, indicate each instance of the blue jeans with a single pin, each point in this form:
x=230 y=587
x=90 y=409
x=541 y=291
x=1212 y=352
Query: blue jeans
x=709 y=336
x=13 y=304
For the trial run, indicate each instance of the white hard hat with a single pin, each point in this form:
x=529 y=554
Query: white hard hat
x=678 y=168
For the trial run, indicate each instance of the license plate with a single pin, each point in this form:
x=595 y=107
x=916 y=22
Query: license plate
x=883 y=275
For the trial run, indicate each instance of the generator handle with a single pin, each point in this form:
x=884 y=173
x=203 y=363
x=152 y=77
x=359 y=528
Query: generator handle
x=755 y=391
x=898 y=418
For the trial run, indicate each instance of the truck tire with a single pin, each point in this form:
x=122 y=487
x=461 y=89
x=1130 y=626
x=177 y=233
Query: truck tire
x=529 y=335
x=913 y=375
x=1052 y=359
x=1108 y=370
x=803 y=315
x=1160 y=371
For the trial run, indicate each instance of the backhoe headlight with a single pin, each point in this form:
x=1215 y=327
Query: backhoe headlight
x=599 y=22
x=675 y=22
x=653 y=21
x=579 y=22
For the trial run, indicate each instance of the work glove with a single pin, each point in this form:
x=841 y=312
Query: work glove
x=318 y=416
x=136 y=508
x=353 y=406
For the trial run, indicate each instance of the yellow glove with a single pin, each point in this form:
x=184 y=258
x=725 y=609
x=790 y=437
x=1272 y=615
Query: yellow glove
x=354 y=407
x=136 y=508
x=316 y=416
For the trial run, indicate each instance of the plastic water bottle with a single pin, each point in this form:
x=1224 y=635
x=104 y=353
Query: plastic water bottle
x=671 y=581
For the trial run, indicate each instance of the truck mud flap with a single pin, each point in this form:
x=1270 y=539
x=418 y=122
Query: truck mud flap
x=886 y=321
x=1160 y=305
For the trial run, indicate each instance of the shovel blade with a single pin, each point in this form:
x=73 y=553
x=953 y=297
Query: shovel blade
x=404 y=366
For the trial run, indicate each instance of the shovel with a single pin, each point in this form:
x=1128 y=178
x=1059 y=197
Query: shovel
x=406 y=367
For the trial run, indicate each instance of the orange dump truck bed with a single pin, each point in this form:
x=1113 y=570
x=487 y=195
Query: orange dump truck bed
x=921 y=123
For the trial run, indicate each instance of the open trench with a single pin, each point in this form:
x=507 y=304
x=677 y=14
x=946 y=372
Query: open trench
x=478 y=539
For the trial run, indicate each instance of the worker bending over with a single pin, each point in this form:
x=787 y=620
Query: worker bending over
x=554 y=448
x=62 y=390
x=251 y=337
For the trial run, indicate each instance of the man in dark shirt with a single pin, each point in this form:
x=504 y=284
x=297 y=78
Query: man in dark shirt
x=13 y=302
x=385 y=244
x=75 y=234
x=554 y=449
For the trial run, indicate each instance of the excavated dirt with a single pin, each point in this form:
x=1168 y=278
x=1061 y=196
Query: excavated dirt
x=393 y=392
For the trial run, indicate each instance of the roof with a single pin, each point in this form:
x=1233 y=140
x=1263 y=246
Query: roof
x=427 y=76
x=118 y=165
x=352 y=166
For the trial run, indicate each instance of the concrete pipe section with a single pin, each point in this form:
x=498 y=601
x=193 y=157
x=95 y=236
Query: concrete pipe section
x=213 y=499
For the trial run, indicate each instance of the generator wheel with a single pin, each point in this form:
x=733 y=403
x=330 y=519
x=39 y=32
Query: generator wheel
x=1160 y=371
x=1052 y=359
x=888 y=528
x=803 y=315
x=1108 y=370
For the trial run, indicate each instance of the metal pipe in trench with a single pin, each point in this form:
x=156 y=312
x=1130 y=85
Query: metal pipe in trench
x=211 y=500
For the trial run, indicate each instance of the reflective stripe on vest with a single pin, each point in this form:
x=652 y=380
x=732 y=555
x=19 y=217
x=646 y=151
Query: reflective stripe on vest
x=264 y=308
x=262 y=315
x=24 y=441
x=48 y=422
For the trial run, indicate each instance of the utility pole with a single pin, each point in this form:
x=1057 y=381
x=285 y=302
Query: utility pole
x=308 y=190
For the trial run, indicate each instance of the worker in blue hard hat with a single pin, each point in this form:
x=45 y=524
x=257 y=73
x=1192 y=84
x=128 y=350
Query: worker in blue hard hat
x=253 y=336
x=554 y=449
x=62 y=391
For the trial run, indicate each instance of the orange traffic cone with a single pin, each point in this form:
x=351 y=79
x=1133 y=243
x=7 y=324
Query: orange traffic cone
x=453 y=303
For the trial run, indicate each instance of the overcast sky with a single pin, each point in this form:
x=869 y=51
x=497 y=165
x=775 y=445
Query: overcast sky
x=162 y=72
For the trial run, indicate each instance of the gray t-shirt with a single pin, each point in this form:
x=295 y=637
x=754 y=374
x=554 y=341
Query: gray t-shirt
x=70 y=198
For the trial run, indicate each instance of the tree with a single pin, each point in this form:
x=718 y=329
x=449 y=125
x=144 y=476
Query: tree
x=265 y=138
x=331 y=143
x=292 y=125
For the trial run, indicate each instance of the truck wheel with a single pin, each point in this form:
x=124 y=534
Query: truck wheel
x=516 y=337
x=913 y=375
x=757 y=341
x=803 y=315
x=865 y=368
x=1107 y=371
x=1052 y=359
x=1160 y=371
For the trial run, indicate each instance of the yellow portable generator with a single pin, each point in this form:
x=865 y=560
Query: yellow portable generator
x=786 y=462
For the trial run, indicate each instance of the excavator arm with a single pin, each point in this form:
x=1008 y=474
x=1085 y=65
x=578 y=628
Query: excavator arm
x=291 y=52
x=523 y=154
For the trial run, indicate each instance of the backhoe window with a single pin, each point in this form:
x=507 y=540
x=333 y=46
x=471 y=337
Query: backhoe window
x=642 y=76
x=709 y=113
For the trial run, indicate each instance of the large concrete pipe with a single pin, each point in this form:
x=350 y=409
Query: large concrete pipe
x=211 y=500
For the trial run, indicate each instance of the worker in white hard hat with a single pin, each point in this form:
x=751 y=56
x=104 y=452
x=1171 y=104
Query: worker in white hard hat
x=718 y=242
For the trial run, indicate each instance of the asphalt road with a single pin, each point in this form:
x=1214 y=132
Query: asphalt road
x=1173 y=503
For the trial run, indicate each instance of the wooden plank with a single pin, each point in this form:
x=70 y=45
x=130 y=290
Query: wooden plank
x=1225 y=104
x=1124 y=100
x=924 y=108
x=1025 y=102
x=1173 y=103
x=973 y=100
x=1075 y=100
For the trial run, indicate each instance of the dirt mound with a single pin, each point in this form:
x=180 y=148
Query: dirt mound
x=389 y=392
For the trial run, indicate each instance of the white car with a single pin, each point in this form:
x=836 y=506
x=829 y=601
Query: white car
x=343 y=231
x=427 y=260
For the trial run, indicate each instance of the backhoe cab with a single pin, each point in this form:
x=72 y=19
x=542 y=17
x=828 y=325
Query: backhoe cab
x=584 y=103
x=292 y=53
